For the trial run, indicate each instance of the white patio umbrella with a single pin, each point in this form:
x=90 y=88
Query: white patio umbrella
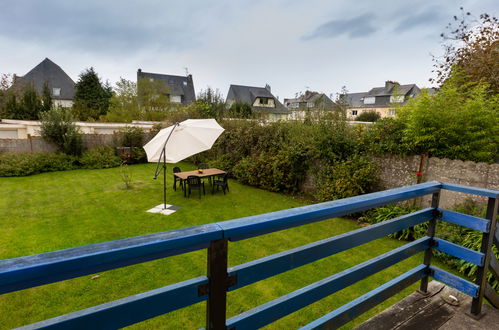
x=177 y=142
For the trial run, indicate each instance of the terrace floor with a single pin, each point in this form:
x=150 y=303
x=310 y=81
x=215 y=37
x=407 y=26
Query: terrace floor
x=443 y=308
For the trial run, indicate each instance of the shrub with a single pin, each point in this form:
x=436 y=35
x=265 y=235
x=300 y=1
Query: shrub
x=23 y=164
x=453 y=124
x=132 y=137
x=371 y=116
x=100 y=157
x=355 y=176
x=384 y=136
x=58 y=127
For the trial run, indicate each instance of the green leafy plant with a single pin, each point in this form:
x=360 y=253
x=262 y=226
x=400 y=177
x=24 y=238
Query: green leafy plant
x=100 y=157
x=23 y=164
x=126 y=175
x=371 y=116
x=355 y=176
x=392 y=211
x=59 y=128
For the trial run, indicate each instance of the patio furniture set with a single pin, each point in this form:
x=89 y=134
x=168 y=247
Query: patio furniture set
x=194 y=180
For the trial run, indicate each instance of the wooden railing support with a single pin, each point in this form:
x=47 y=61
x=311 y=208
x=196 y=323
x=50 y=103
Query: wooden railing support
x=487 y=239
x=217 y=287
x=435 y=199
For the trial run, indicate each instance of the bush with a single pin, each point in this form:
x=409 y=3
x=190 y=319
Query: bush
x=34 y=163
x=453 y=124
x=58 y=127
x=371 y=116
x=355 y=176
x=100 y=157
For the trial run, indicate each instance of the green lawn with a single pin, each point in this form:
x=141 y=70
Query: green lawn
x=60 y=210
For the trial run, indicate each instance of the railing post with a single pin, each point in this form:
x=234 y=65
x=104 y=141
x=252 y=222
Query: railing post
x=487 y=239
x=217 y=288
x=435 y=199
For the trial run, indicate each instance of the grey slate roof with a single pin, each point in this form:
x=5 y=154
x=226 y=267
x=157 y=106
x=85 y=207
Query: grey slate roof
x=310 y=96
x=382 y=95
x=248 y=94
x=48 y=71
x=354 y=100
x=178 y=85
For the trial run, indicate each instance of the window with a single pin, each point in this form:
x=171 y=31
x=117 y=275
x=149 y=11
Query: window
x=369 y=100
x=396 y=98
x=151 y=79
x=185 y=83
x=310 y=104
x=354 y=112
x=392 y=112
x=175 y=99
x=264 y=100
x=56 y=92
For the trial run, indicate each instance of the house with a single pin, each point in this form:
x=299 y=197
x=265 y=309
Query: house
x=61 y=86
x=307 y=104
x=180 y=88
x=262 y=101
x=383 y=100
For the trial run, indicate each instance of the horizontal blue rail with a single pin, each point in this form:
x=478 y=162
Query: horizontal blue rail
x=284 y=305
x=471 y=190
x=123 y=312
x=25 y=272
x=263 y=268
x=356 y=307
x=266 y=223
x=465 y=220
x=459 y=252
x=454 y=281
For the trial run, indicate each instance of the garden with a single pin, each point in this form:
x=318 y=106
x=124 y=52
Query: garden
x=59 y=210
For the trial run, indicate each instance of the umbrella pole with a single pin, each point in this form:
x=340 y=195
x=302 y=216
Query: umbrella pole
x=164 y=177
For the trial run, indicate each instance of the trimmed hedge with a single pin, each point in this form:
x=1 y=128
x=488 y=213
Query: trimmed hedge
x=100 y=157
x=34 y=163
x=23 y=164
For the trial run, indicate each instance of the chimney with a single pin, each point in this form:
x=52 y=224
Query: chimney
x=267 y=87
x=139 y=70
x=189 y=78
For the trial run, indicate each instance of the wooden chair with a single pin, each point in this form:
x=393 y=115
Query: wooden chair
x=194 y=182
x=220 y=180
x=177 y=169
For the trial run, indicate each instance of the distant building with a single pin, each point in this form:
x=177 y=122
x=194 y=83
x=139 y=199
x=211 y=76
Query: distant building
x=61 y=86
x=383 y=100
x=260 y=99
x=180 y=89
x=307 y=104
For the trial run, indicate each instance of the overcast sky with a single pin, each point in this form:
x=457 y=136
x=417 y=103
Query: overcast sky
x=291 y=45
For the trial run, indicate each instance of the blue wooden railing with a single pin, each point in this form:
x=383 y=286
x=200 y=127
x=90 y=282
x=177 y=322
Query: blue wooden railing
x=25 y=272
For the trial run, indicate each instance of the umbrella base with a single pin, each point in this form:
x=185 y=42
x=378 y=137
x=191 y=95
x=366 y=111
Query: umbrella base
x=170 y=209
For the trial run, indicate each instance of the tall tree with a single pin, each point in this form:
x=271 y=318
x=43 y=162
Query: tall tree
x=471 y=52
x=91 y=97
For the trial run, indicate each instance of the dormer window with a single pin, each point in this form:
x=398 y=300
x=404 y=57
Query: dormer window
x=396 y=98
x=56 y=92
x=369 y=100
x=185 y=83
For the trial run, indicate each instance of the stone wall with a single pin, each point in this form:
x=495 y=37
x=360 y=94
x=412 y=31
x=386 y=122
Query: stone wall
x=401 y=171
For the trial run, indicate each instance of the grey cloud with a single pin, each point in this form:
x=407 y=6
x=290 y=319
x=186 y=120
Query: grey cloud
x=429 y=17
x=113 y=27
x=356 y=27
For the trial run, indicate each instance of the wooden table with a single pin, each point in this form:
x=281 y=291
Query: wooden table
x=207 y=173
